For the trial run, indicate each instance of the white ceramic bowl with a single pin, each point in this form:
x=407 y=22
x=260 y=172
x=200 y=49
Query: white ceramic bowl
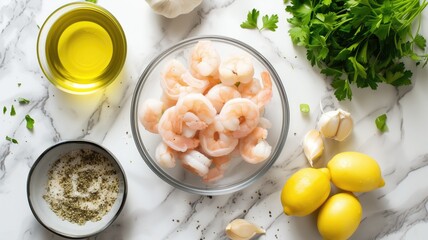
x=240 y=174
x=36 y=188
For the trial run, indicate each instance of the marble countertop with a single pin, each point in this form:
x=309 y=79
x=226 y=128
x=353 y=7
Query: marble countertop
x=155 y=210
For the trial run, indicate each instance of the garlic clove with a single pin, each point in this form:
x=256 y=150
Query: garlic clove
x=345 y=127
x=240 y=229
x=329 y=123
x=173 y=8
x=313 y=146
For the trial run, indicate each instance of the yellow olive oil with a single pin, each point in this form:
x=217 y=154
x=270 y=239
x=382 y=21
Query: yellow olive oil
x=85 y=50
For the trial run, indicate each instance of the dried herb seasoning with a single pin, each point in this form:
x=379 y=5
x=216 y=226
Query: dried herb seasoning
x=82 y=186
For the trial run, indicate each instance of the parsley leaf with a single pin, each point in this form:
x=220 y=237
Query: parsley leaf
x=359 y=42
x=420 y=41
x=19 y=84
x=92 y=1
x=251 y=22
x=270 y=22
x=12 y=111
x=381 y=123
x=13 y=140
x=23 y=101
x=304 y=108
x=4 y=109
x=30 y=122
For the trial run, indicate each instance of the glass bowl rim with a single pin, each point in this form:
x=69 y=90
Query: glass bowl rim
x=85 y=142
x=231 y=187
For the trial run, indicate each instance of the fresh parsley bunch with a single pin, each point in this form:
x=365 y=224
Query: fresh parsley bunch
x=359 y=42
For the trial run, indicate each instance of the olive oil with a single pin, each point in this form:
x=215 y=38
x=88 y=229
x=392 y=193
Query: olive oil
x=85 y=49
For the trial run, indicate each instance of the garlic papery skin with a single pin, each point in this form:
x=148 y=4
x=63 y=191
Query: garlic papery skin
x=329 y=123
x=173 y=8
x=313 y=146
x=345 y=126
x=240 y=229
x=336 y=124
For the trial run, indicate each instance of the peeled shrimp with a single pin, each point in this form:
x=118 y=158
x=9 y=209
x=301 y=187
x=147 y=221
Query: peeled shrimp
x=264 y=96
x=250 y=89
x=165 y=156
x=193 y=121
x=177 y=80
x=171 y=130
x=168 y=102
x=238 y=68
x=240 y=116
x=195 y=162
x=220 y=94
x=215 y=173
x=254 y=148
x=204 y=60
x=215 y=141
x=199 y=105
x=150 y=113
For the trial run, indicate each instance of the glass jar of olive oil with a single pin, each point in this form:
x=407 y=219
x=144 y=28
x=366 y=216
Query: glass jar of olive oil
x=81 y=48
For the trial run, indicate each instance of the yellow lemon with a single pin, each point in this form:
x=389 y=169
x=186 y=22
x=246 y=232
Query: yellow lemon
x=339 y=217
x=305 y=191
x=355 y=172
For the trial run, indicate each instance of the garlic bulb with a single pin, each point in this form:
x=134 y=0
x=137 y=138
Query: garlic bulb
x=173 y=8
x=240 y=229
x=313 y=146
x=336 y=124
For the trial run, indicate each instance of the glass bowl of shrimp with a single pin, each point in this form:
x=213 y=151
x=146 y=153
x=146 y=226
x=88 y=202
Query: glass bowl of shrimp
x=210 y=115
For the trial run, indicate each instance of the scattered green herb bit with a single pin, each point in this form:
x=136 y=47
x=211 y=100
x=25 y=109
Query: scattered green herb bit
x=19 y=84
x=13 y=140
x=92 y=1
x=4 y=109
x=251 y=22
x=304 y=108
x=12 y=111
x=359 y=42
x=270 y=22
x=381 y=123
x=23 y=101
x=30 y=122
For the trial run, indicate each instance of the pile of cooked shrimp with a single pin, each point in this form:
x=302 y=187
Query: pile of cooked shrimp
x=209 y=112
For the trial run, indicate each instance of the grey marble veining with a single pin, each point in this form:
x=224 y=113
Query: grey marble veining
x=155 y=210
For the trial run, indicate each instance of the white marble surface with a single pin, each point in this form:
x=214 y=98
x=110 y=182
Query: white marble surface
x=154 y=210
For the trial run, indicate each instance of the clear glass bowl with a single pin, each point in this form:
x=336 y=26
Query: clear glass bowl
x=240 y=174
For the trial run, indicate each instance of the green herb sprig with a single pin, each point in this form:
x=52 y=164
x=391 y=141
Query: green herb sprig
x=359 y=42
x=269 y=22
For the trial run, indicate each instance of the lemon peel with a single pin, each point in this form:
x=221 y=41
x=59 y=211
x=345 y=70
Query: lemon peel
x=339 y=217
x=355 y=172
x=305 y=191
